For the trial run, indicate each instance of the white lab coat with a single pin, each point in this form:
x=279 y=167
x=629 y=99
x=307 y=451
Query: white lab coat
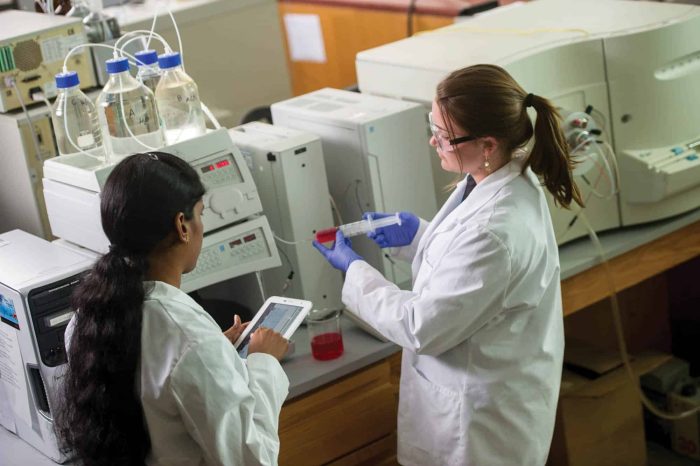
x=482 y=328
x=202 y=403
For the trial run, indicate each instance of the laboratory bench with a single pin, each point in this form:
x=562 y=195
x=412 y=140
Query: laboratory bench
x=343 y=412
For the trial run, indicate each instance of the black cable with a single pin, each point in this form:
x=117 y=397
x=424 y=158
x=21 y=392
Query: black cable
x=285 y=285
x=357 y=197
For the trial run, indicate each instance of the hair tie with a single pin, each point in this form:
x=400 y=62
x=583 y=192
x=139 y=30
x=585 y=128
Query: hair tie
x=117 y=250
x=528 y=100
x=153 y=156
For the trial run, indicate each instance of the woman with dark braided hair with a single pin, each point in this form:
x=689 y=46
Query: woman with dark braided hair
x=482 y=328
x=151 y=379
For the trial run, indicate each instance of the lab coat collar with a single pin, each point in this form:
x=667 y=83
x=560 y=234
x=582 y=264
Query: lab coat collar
x=163 y=291
x=483 y=191
x=455 y=210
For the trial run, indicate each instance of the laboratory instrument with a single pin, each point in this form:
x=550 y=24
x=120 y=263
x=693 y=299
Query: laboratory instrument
x=78 y=9
x=281 y=314
x=149 y=72
x=22 y=154
x=36 y=282
x=233 y=251
x=279 y=158
x=29 y=5
x=74 y=119
x=178 y=101
x=72 y=186
x=637 y=64
x=32 y=49
x=128 y=114
x=99 y=26
x=377 y=158
x=237 y=240
x=361 y=227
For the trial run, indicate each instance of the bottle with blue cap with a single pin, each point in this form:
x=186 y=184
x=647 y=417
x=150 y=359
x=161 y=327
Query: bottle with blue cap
x=178 y=101
x=128 y=113
x=74 y=119
x=149 y=72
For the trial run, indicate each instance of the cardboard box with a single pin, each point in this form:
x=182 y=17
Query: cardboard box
x=599 y=421
x=685 y=433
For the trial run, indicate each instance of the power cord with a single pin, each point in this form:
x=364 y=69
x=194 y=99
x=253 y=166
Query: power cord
x=30 y=122
x=409 y=17
x=619 y=333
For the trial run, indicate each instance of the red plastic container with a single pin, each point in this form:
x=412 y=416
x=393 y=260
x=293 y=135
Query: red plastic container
x=327 y=235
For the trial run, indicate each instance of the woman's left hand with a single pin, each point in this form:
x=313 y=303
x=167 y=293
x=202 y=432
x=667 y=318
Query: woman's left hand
x=235 y=331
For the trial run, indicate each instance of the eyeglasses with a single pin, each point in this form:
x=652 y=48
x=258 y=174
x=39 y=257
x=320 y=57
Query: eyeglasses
x=444 y=143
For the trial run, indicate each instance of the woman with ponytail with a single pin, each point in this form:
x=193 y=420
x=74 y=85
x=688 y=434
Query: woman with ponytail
x=482 y=328
x=150 y=377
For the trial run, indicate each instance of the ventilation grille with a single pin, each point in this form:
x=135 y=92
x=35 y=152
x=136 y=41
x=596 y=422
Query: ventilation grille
x=42 y=401
x=27 y=55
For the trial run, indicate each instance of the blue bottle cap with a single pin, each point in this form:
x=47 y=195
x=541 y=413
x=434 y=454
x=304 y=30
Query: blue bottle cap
x=67 y=79
x=146 y=57
x=117 y=65
x=169 y=60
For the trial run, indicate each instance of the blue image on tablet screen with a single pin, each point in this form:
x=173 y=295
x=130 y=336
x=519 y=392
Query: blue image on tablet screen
x=277 y=317
x=7 y=312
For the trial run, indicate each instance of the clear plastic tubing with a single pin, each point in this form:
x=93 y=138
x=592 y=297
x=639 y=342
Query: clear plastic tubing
x=149 y=72
x=357 y=228
x=75 y=119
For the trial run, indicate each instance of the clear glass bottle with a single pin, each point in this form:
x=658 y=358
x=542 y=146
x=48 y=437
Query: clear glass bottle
x=128 y=113
x=178 y=101
x=74 y=119
x=149 y=72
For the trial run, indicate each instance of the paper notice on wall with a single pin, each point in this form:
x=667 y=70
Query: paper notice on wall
x=305 y=38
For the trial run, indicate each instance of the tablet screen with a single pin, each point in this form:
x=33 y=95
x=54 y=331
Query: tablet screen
x=277 y=316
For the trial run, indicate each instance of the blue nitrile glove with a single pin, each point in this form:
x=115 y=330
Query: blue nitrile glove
x=341 y=255
x=394 y=235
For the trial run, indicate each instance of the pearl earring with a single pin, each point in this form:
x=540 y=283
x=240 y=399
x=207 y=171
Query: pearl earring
x=487 y=165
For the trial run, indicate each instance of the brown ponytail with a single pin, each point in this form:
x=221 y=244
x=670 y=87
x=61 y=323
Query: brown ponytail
x=485 y=100
x=549 y=157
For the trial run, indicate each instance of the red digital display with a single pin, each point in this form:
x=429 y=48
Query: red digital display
x=222 y=163
x=207 y=169
x=249 y=238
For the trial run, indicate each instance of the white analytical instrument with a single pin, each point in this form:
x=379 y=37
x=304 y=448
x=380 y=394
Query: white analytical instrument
x=32 y=49
x=237 y=240
x=637 y=63
x=36 y=282
x=290 y=174
x=377 y=158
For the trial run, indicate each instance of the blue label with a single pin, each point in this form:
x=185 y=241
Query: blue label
x=7 y=312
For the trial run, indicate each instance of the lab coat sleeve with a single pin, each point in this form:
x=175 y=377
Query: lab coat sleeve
x=464 y=290
x=407 y=253
x=231 y=411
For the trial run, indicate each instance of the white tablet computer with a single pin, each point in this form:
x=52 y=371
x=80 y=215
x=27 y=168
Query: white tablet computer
x=283 y=315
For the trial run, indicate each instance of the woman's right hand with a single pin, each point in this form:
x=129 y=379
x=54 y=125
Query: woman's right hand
x=265 y=340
